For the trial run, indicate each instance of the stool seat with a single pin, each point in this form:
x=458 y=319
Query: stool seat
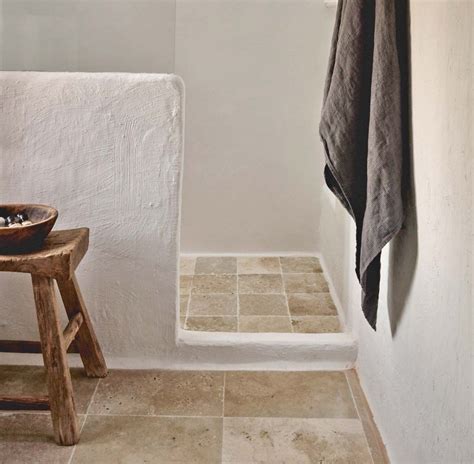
x=56 y=261
x=61 y=253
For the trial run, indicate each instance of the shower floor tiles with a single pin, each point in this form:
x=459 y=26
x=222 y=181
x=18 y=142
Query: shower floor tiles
x=198 y=417
x=256 y=294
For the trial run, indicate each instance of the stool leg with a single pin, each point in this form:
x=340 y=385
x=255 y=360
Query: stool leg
x=86 y=341
x=61 y=399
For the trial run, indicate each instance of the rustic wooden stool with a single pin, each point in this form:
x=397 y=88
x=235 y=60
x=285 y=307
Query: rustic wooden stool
x=57 y=259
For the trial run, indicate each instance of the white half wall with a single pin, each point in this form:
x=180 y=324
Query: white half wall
x=416 y=370
x=106 y=150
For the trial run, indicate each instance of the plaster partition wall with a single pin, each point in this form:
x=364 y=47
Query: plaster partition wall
x=254 y=73
x=416 y=370
x=106 y=150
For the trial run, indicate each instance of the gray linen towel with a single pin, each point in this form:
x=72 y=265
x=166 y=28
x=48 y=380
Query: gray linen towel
x=364 y=128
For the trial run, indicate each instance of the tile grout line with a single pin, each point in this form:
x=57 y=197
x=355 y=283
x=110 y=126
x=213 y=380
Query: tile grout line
x=358 y=415
x=286 y=296
x=85 y=419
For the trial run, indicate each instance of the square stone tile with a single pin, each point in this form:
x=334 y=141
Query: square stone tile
x=157 y=440
x=212 y=323
x=183 y=305
x=254 y=265
x=31 y=381
x=265 y=324
x=213 y=305
x=185 y=285
x=260 y=283
x=29 y=438
x=288 y=394
x=216 y=265
x=215 y=284
x=162 y=393
x=263 y=305
x=311 y=304
x=298 y=441
x=187 y=265
x=316 y=324
x=300 y=264
x=305 y=283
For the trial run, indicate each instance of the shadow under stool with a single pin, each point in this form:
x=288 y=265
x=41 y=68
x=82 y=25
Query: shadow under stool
x=57 y=260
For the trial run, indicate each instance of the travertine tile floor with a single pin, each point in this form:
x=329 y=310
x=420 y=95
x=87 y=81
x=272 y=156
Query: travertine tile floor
x=256 y=294
x=196 y=417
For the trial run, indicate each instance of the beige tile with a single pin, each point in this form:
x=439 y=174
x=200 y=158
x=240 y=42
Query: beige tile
x=213 y=305
x=28 y=438
x=185 y=285
x=263 y=305
x=264 y=324
x=316 y=324
x=294 y=441
x=212 y=323
x=31 y=381
x=305 y=283
x=291 y=264
x=187 y=265
x=157 y=440
x=376 y=445
x=183 y=304
x=215 y=284
x=178 y=393
x=311 y=304
x=272 y=394
x=260 y=283
x=216 y=265
x=182 y=321
x=253 y=265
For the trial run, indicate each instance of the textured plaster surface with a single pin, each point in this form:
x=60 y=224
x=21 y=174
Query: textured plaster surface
x=106 y=150
x=417 y=368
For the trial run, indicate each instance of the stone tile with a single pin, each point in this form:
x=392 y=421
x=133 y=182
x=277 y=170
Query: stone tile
x=203 y=284
x=301 y=441
x=300 y=264
x=263 y=305
x=260 y=283
x=212 y=323
x=31 y=381
x=157 y=440
x=264 y=324
x=254 y=265
x=183 y=305
x=185 y=285
x=187 y=265
x=213 y=305
x=182 y=321
x=311 y=304
x=274 y=394
x=316 y=324
x=28 y=438
x=305 y=283
x=164 y=393
x=216 y=265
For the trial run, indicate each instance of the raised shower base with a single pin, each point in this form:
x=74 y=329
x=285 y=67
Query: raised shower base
x=256 y=294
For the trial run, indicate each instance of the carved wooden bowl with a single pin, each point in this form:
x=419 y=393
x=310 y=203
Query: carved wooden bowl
x=26 y=238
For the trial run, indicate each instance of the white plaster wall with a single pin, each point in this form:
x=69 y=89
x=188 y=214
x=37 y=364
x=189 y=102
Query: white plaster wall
x=417 y=368
x=106 y=149
x=254 y=73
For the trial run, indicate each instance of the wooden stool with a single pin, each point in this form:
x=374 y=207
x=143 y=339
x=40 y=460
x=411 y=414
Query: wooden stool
x=58 y=258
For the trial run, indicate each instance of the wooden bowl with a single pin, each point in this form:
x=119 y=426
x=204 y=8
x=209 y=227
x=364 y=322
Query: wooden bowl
x=26 y=238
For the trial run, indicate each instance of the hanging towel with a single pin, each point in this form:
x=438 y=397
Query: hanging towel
x=364 y=128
